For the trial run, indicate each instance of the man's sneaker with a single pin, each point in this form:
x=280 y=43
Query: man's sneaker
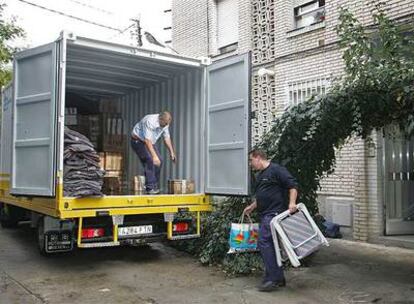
x=271 y=286
x=153 y=191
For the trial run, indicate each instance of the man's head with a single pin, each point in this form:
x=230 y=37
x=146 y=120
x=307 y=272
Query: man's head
x=258 y=159
x=165 y=119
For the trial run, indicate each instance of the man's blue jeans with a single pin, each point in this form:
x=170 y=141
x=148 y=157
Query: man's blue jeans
x=151 y=172
x=273 y=272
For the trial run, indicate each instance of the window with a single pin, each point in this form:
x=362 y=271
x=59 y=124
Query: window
x=227 y=25
x=408 y=44
x=309 y=13
x=299 y=91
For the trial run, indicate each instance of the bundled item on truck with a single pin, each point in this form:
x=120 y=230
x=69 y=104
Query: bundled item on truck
x=82 y=174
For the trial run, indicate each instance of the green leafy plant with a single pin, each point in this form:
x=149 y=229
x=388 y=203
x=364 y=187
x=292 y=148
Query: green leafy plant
x=8 y=31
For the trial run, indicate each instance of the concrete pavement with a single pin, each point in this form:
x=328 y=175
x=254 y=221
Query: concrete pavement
x=346 y=272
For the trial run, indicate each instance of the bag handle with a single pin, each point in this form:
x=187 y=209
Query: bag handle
x=241 y=221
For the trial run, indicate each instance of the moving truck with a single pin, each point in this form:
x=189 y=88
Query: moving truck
x=209 y=103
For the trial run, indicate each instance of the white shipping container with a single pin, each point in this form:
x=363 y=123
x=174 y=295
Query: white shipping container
x=209 y=105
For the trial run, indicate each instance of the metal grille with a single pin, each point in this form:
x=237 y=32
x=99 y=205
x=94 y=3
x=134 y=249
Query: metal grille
x=263 y=31
x=398 y=162
x=263 y=105
x=299 y=91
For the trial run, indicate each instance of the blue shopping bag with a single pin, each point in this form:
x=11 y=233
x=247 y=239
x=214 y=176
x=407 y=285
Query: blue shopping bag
x=243 y=236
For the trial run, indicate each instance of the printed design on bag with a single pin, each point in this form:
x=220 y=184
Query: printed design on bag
x=243 y=236
x=239 y=238
x=253 y=236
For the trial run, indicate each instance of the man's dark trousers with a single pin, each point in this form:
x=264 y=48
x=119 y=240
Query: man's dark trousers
x=273 y=272
x=151 y=172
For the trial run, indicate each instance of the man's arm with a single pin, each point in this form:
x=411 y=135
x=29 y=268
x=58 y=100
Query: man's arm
x=168 y=143
x=293 y=195
x=249 y=209
x=151 y=150
x=290 y=183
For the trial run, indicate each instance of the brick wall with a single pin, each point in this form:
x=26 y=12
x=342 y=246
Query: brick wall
x=288 y=41
x=315 y=53
x=190 y=27
x=266 y=28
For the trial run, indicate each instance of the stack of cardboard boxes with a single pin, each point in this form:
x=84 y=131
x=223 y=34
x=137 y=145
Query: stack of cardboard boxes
x=112 y=145
x=105 y=129
x=71 y=116
x=112 y=163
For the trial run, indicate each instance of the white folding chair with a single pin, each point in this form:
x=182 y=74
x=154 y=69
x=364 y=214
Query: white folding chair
x=298 y=235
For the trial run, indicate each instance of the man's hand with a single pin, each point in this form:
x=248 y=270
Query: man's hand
x=292 y=208
x=293 y=195
x=156 y=161
x=173 y=157
x=250 y=208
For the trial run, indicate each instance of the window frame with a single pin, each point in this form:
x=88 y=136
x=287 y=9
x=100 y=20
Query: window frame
x=297 y=14
x=232 y=45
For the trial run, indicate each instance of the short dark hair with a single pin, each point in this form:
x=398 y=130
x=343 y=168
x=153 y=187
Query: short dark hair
x=258 y=153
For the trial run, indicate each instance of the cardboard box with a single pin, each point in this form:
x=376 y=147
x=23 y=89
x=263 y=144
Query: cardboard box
x=181 y=186
x=71 y=120
x=114 y=173
x=90 y=126
x=112 y=185
x=109 y=106
x=113 y=138
x=138 y=185
x=111 y=161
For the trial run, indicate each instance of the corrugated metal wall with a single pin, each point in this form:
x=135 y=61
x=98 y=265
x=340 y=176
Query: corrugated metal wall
x=183 y=97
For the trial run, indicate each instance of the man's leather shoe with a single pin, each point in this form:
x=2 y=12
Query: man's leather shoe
x=271 y=286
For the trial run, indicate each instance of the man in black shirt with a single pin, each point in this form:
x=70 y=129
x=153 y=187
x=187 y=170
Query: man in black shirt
x=275 y=192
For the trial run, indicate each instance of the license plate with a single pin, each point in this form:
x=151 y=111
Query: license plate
x=134 y=230
x=58 y=241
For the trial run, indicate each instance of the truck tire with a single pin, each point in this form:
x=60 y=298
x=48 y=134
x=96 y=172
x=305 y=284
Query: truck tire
x=8 y=216
x=40 y=229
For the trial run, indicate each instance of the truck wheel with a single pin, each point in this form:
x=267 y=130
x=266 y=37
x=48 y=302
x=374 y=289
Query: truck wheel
x=8 y=218
x=41 y=236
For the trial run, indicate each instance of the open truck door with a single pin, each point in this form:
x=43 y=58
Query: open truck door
x=228 y=126
x=34 y=125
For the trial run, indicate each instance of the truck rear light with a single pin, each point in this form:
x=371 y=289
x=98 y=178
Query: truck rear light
x=89 y=233
x=180 y=227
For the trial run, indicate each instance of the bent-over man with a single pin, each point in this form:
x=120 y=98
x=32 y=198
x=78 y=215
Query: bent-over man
x=144 y=136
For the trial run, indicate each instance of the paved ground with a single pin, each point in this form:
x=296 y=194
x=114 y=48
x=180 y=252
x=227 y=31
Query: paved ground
x=346 y=272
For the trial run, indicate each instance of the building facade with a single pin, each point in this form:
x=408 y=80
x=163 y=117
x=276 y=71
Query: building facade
x=370 y=193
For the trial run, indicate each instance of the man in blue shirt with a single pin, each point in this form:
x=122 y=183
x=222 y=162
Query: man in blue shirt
x=275 y=192
x=144 y=136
